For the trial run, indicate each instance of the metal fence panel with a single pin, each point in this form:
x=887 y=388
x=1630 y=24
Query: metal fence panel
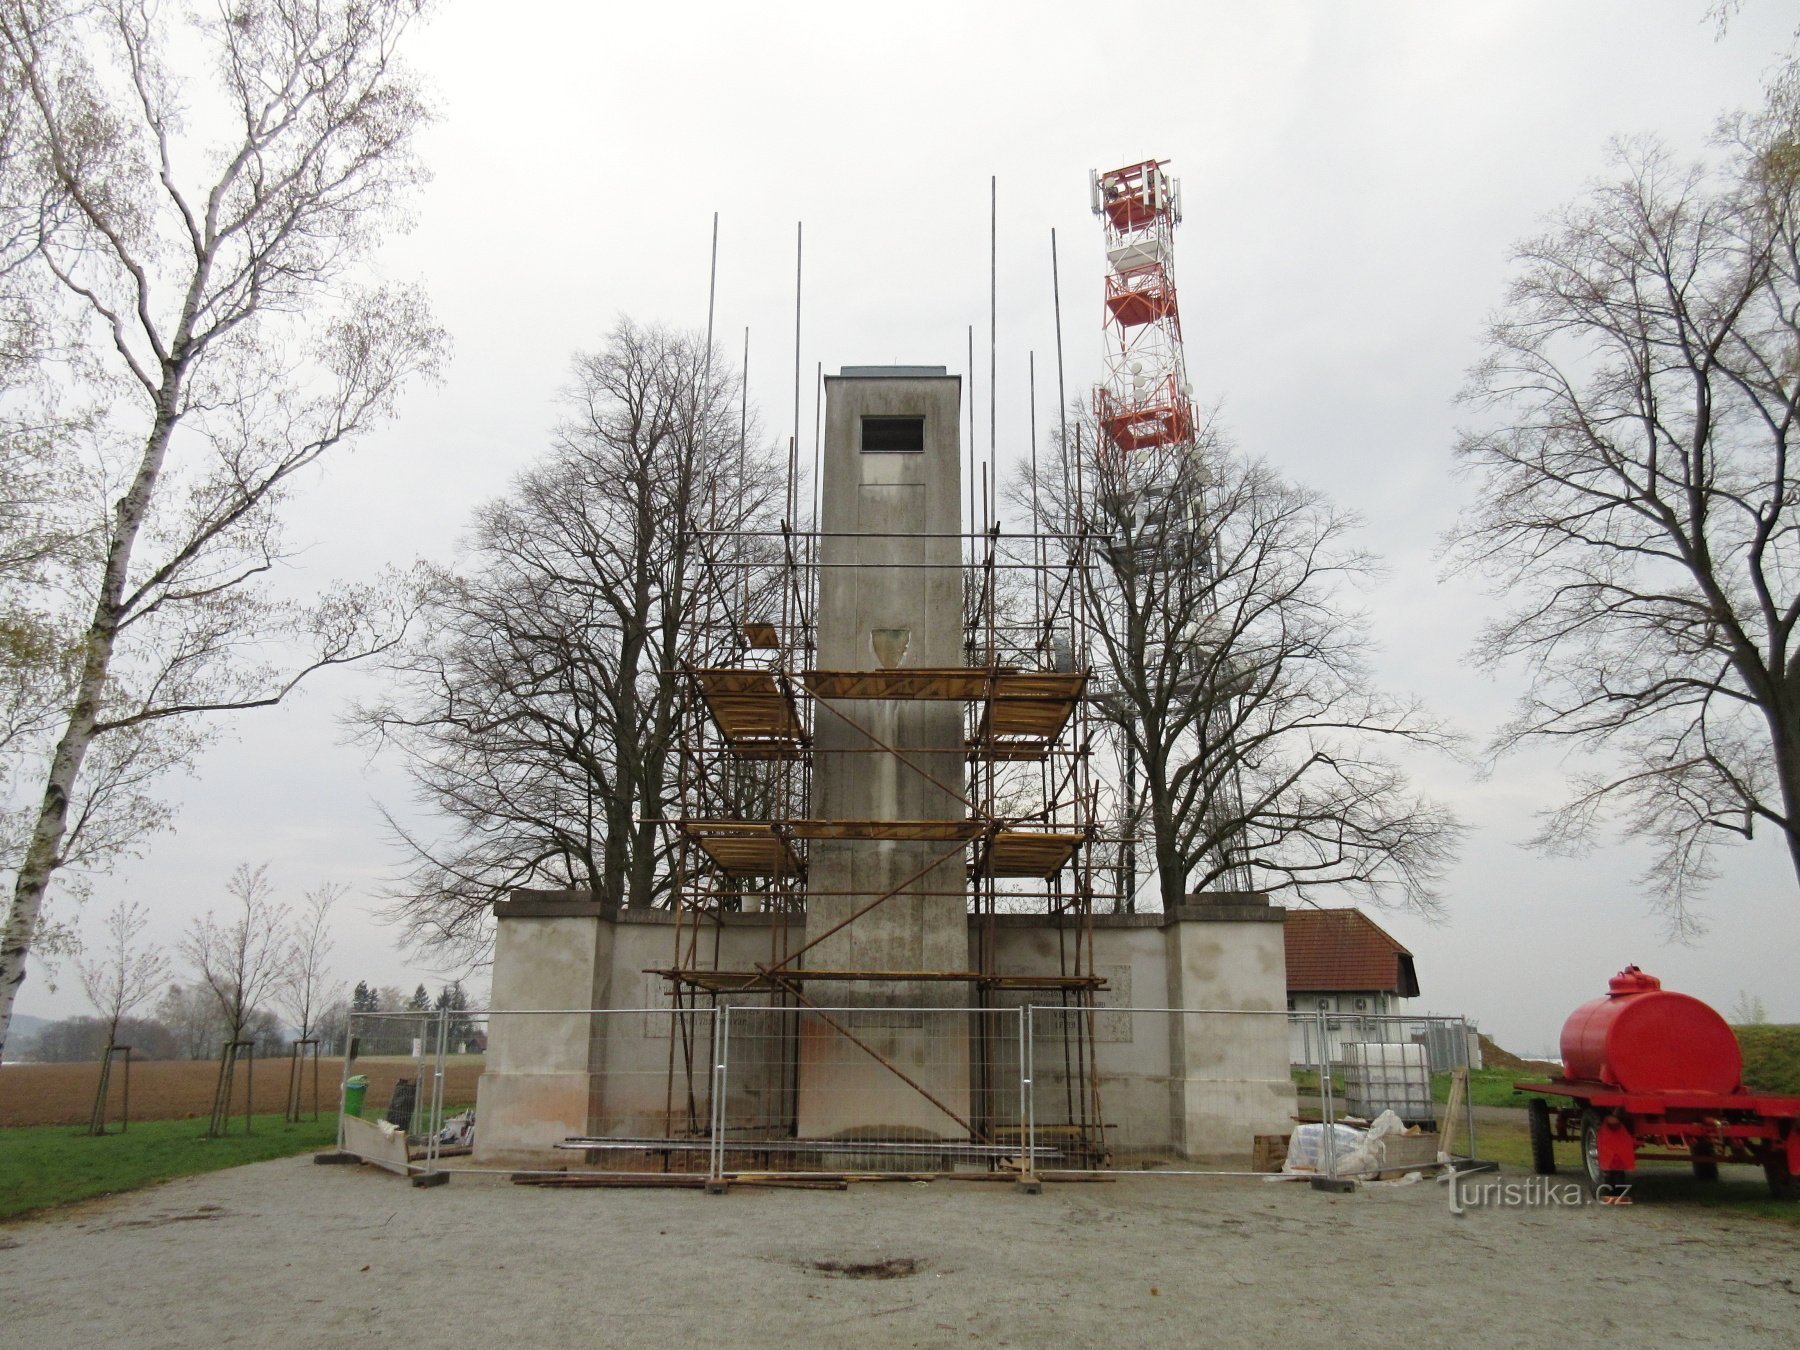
x=870 y=1090
x=1157 y=1089
x=1404 y=1064
x=759 y=1086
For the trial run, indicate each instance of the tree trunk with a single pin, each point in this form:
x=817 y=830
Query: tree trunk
x=1784 y=729
x=43 y=854
x=1171 y=867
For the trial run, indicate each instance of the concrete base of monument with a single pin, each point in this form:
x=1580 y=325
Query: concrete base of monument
x=518 y=1113
x=1187 y=1043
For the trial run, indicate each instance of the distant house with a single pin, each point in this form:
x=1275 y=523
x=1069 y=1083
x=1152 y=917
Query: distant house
x=1341 y=963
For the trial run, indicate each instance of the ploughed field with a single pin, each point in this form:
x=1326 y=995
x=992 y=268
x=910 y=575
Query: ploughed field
x=173 y=1089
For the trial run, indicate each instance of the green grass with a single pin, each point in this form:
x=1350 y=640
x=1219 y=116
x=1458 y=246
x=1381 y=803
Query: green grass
x=1771 y=1057
x=1488 y=1087
x=44 y=1165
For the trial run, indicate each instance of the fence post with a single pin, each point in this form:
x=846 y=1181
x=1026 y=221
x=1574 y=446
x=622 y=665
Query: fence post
x=344 y=1078
x=1469 y=1106
x=1028 y=1177
x=1327 y=1128
x=434 y=1116
x=715 y=1183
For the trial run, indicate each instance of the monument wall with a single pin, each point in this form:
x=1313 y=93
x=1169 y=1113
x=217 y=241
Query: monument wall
x=1175 y=1085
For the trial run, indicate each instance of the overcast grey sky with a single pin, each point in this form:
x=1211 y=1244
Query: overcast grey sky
x=1354 y=175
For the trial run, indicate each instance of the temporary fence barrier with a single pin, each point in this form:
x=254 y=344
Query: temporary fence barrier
x=870 y=1089
x=1407 y=1065
x=760 y=1086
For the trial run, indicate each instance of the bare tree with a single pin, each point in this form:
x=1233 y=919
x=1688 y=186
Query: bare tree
x=1232 y=668
x=309 y=983
x=241 y=960
x=126 y=972
x=332 y=1024
x=1636 y=501
x=206 y=238
x=191 y=1014
x=537 y=710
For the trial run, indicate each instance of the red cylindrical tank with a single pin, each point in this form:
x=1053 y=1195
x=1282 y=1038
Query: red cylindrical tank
x=1643 y=1038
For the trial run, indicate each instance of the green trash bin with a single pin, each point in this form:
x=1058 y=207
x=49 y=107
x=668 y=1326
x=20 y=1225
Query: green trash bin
x=356 y=1087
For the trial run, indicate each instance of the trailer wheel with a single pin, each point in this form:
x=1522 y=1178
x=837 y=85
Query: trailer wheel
x=1781 y=1180
x=1600 y=1181
x=1706 y=1163
x=1543 y=1149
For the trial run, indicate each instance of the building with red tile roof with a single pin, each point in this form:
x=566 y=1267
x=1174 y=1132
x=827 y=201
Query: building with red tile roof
x=1341 y=960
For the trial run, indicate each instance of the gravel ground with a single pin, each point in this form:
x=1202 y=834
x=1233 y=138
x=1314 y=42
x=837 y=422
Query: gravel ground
x=285 y=1253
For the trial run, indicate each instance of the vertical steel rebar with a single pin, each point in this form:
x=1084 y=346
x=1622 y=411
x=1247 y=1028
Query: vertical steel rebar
x=993 y=324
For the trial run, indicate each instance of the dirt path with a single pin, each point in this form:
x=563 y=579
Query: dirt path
x=286 y=1253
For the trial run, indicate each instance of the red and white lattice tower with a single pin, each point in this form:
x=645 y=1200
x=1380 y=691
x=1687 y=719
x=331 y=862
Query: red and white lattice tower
x=1143 y=402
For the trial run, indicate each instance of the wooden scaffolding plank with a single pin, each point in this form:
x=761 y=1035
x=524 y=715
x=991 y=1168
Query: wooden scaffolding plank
x=1035 y=705
x=742 y=981
x=761 y=848
x=754 y=711
x=1031 y=853
x=926 y=831
x=943 y=683
x=740 y=848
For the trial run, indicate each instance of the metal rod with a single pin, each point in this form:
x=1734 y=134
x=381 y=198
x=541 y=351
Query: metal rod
x=973 y=527
x=813 y=544
x=1062 y=397
x=712 y=290
x=799 y=262
x=743 y=503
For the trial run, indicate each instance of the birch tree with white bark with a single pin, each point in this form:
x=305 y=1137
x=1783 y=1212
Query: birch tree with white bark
x=203 y=189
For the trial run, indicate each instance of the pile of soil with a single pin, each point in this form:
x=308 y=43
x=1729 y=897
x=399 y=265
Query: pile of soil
x=1493 y=1057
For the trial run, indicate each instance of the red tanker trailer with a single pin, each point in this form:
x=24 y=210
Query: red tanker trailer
x=1649 y=1069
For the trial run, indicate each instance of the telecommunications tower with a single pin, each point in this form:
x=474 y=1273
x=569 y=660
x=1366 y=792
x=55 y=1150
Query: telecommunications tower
x=1149 y=480
x=1143 y=401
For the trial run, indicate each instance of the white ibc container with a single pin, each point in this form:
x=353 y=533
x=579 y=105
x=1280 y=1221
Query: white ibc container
x=1379 y=1076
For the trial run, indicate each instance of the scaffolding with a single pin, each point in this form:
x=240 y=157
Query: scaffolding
x=752 y=695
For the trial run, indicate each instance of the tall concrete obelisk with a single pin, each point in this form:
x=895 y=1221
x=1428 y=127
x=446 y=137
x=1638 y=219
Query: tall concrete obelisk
x=890 y=598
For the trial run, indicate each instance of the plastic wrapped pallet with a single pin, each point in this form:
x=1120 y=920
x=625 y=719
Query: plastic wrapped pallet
x=1355 y=1152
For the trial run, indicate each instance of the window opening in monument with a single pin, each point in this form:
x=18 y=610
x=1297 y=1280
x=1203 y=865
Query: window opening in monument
x=893 y=435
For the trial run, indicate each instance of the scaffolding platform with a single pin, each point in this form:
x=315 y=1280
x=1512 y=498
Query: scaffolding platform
x=1027 y=853
x=755 y=711
x=754 y=848
x=775 y=979
x=745 y=848
x=1021 y=713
